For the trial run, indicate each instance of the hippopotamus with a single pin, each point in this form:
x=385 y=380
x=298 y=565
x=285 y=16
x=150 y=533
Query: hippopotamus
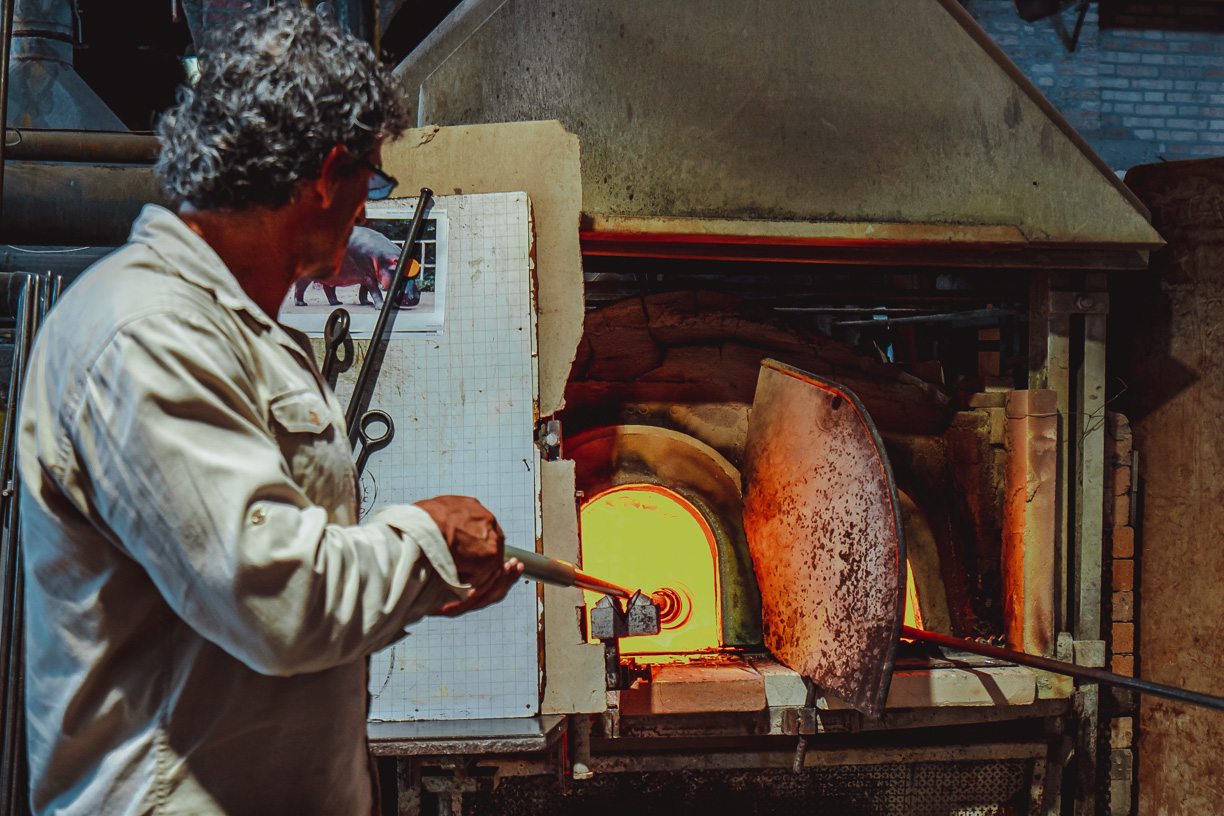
x=369 y=261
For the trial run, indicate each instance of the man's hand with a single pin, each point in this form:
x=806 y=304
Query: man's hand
x=488 y=593
x=477 y=545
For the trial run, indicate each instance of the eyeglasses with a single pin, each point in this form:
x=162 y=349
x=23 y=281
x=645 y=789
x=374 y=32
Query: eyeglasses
x=381 y=184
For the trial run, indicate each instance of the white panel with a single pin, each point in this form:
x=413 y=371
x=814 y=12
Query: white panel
x=463 y=404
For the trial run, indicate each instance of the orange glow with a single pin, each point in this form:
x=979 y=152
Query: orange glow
x=650 y=538
x=913 y=613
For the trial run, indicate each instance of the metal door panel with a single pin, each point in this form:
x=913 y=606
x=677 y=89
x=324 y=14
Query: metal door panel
x=824 y=528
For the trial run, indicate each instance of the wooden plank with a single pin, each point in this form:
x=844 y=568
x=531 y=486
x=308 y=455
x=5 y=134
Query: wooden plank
x=1029 y=553
x=1090 y=486
x=1049 y=368
x=573 y=669
x=826 y=233
x=873 y=254
x=540 y=159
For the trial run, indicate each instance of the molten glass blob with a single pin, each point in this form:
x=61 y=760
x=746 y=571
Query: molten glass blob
x=650 y=538
x=675 y=606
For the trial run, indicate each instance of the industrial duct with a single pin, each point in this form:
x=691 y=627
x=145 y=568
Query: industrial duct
x=45 y=90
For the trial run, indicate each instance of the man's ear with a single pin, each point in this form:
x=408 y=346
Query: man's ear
x=328 y=181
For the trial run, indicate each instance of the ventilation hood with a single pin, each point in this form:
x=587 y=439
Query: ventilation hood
x=44 y=89
x=821 y=130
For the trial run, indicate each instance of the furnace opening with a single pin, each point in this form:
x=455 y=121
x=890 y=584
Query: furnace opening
x=651 y=538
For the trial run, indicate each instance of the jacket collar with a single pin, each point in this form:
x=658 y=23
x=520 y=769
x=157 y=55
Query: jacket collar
x=189 y=256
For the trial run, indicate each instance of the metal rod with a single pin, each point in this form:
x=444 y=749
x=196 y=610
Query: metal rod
x=558 y=573
x=1070 y=669
x=12 y=646
x=10 y=416
x=950 y=317
x=372 y=362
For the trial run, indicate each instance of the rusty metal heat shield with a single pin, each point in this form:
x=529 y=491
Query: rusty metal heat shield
x=823 y=523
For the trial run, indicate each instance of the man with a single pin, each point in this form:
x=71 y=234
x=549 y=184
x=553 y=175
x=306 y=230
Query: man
x=199 y=596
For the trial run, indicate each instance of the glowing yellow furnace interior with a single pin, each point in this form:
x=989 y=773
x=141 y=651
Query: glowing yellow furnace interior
x=650 y=538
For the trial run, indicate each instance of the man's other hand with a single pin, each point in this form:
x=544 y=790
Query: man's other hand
x=477 y=545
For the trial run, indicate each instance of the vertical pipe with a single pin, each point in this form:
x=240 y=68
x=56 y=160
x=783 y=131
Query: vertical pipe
x=13 y=784
x=6 y=41
x=580 y=746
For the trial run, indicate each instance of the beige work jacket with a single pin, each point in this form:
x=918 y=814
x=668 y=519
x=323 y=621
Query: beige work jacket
x=199 y=595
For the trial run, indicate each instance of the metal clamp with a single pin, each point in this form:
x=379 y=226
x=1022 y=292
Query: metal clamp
x=610 y=623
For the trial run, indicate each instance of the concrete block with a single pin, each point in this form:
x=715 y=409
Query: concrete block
x=1001 y=685
x=991 y=399
x=783 y=686
x=1090 y=653
x=1123 y=542
x=1123 y=665
x=1123 y=607
x=998 y=422
x=697 y=687
x=1123 y=575
x=976 y=421
x=1121 y=732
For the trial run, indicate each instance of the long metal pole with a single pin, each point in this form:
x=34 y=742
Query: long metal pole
x=12 y=768
x=1070 y=669
x=373 y=358
x=551 y=571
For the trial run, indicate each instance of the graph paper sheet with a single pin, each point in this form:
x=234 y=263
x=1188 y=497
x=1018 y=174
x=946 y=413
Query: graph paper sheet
x=463 y=405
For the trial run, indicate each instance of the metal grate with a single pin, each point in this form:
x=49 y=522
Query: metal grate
x=968 y=788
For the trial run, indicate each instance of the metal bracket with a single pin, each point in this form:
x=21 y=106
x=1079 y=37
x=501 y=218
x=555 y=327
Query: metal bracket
x=548 y=439
x=610 y=623
x=1079 y=302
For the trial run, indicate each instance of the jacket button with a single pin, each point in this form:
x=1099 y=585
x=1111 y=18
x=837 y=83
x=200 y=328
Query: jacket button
x=258 y=516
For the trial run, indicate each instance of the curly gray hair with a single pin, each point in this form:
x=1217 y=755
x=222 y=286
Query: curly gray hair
x=276 y=92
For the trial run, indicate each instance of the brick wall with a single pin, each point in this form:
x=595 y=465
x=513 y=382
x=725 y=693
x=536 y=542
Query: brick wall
x=1170 y=15
x=1137 y=95
x=1120 y=634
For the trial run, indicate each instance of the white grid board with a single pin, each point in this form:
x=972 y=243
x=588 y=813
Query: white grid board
x=463 y=401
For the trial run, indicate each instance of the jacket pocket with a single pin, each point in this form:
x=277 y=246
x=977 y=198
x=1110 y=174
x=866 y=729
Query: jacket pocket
x=300 y=412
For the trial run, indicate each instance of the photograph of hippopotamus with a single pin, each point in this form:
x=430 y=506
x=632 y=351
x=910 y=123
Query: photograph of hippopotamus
x=369 y=264
x=367 y=269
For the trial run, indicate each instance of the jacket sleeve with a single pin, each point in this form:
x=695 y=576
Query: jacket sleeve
x=171 y=446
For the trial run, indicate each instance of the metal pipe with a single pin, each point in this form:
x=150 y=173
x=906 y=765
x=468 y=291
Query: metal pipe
x=991 y=315
x=12 y=663
x=6 y=39
x=93 y=146
x=580 y=746
x=75 y=204
x=558 y=573
x=1070 y=669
